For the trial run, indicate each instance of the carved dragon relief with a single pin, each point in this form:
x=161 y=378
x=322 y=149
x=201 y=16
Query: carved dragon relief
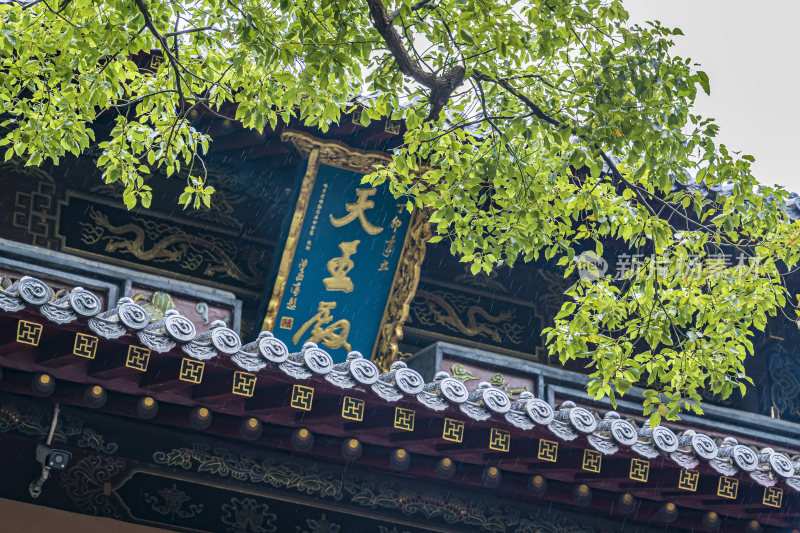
x=151 y=241
x=460 y=314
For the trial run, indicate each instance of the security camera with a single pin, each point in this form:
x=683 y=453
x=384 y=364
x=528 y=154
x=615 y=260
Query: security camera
x=50 y=460
x=55 y=459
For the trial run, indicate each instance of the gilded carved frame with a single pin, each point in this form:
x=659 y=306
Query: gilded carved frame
x=406 y=278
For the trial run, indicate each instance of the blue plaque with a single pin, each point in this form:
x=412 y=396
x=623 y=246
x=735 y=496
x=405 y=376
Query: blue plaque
x=340 y=261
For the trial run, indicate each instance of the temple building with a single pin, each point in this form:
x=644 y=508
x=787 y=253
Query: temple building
x=296 y=358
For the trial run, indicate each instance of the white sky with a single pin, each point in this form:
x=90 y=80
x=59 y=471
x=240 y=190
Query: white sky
x=749 y=49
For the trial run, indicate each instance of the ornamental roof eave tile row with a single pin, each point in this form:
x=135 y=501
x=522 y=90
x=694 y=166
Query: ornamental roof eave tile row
x=608 y=433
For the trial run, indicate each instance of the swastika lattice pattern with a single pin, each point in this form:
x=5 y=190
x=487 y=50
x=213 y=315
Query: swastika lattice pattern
x=404 y=419
x=302 y=397
x=138 y=358
x=500 y=440
x=453 y=430
x=728 y=487
x=191 y=370
x=85 y=345
x=592 y=461
x=353 y=409
x=773 y=497
x=29 y=332
x=688 y=480
x=548 y=450
x=640 y=470
x=244 y=384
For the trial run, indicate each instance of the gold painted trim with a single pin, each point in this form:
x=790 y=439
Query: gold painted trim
x=335 y=153
x=291 y=241
x=264 y=491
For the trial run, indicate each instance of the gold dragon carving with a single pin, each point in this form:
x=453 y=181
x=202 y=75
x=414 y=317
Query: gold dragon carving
x=435 y=307
x=169 y=245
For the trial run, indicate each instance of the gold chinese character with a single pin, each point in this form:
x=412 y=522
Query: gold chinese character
x=302 y=397
x=548 y=450
x=728 y=487
x=85 y=345
x=384 y=266
x=688 y=480
x=353 y=409
x=191 y=370
x=357 y=210
x=333 y=336
x=244 y=384
x=388 y=247
x=29 y=332
x=404 y=419
x=592 y=461
x=640 y=470
x=773 y=497
x=499 y=440
x=137 y=358
x=453 y=430
x=339 y=267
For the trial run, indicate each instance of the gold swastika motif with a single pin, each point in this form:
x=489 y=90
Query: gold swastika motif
x=592 y=461
x=500 y=440
x=191 y=370
x=29 y=332
x=453 y=430
x=353 y=409
x=773 y=497
x=404 y=419
x=640 y=470
x=548 y=450
x=85 y=345
x=302 y=397
x=728 y=487
x=244 y=384
x=688 y=480
x=138 y=358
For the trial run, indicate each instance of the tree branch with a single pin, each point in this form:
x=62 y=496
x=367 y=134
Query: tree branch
x=148 y=21
x=441 y=87
x=416 y=7
x=191 y=30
